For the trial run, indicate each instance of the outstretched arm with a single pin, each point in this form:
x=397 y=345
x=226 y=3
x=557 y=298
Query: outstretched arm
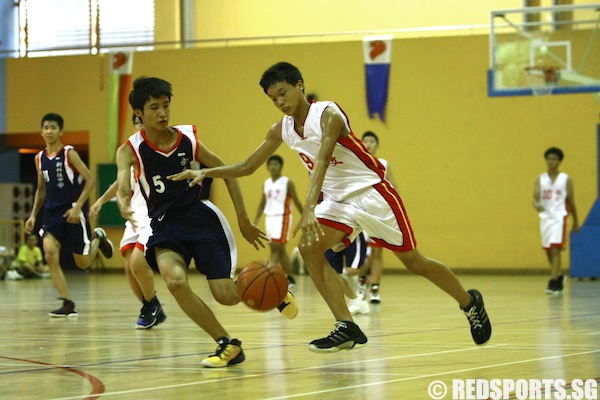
x=125 y=160
x=251 y=232
x=537 y=196
x=235 y=170
x=261 y=207
x=333 y=128
x=73 y=215
x=390 y=177
x=106 y=196
x=38 y=200
x=292 y=191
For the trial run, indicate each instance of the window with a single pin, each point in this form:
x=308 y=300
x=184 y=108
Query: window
x=127 y=23
x=63 y=27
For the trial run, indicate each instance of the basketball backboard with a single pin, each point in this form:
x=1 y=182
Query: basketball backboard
x=545 y=50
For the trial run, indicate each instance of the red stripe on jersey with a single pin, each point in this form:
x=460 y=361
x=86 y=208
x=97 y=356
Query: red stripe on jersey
x=395 y=202
x=128 y=246
x=335 y=225
x=352 y=143
x=138 y=174
x=136 y=171
x=153 y=147
x=285 y=225
x=39 y=160
x=287 y=205
x=51 y=156
x=197 y=144
x=68 y=160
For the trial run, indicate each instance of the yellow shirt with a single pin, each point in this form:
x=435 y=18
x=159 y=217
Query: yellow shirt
x=29 y=256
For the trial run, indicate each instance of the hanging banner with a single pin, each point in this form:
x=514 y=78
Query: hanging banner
x=377 y=54
x=119 y=111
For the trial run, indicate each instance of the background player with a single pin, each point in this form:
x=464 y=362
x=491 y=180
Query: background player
x=374 y=264
x=554 y=199
x=63 y=187
x=133 y=244
x=275 y=203
x=355 y=197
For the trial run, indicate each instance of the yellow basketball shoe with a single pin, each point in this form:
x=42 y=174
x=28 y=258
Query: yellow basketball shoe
x=289 y=307
x=229 y=352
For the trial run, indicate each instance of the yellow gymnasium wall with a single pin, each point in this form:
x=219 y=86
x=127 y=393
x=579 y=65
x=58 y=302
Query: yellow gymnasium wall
x=465 y=163
x=215 y=19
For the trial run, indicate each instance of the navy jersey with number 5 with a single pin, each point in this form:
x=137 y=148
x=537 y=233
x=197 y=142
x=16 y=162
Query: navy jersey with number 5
x=154 y=165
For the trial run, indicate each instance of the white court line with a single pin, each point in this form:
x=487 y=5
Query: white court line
x=286 y=371
x=428 y=376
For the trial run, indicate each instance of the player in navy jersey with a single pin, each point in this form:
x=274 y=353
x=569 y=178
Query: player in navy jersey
x=63 y=187
x=185 y=224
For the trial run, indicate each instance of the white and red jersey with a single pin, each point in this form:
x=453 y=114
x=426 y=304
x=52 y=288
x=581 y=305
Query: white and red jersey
x=278 y=200
x=352 y=168
x=553 y=195
x=138 y=203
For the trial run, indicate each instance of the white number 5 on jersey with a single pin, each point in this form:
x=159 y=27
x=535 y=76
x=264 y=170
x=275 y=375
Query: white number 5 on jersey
x=158 y=184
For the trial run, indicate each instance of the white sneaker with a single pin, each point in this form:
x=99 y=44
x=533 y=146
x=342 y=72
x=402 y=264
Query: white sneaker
x=13 y=275
x=359 y=306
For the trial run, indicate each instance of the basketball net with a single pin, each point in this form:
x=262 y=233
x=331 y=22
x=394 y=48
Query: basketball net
x=542 y=79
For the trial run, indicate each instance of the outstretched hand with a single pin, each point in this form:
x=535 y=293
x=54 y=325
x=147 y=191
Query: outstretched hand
x=311 y=228
x=253 y=234
x=194 y=175
x=73 y=215
x=95 y=209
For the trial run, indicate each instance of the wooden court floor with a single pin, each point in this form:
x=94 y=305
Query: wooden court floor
x=417 y=336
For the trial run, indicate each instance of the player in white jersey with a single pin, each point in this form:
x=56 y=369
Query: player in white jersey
x=356 y=197
x=139 y=275
x=278 y=194
x=554 y=200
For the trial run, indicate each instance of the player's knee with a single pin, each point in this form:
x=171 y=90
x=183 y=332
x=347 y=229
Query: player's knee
x=226 y=298
x=83 y=264
x=51 y=257
x=224 y=291
x=175 y=282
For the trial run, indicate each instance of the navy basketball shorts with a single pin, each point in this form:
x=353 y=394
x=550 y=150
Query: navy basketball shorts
x=77 y=236
x=199 y=232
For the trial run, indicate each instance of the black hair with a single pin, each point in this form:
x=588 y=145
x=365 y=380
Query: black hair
x=280 y=72
x=312 y=97
x=277 y=158
x=144 y=88
x=370 y=134
x=556 y=151
x=134 y=119
x=53 y=117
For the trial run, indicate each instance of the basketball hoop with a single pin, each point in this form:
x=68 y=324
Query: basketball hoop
x=542 y=78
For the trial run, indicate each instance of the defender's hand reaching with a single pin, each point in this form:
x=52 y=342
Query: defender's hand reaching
x=195 y=176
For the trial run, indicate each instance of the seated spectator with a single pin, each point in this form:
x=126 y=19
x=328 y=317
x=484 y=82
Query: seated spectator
x=29 y=262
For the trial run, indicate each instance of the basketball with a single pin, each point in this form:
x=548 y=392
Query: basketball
x=262 y=285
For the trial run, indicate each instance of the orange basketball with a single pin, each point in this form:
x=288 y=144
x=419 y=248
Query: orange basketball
x=262 y=285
